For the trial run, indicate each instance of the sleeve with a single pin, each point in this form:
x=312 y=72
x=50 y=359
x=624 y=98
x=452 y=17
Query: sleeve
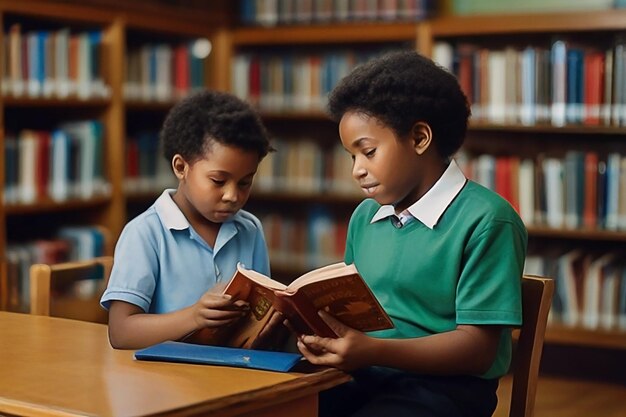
x=135 y=268
x=489 y=288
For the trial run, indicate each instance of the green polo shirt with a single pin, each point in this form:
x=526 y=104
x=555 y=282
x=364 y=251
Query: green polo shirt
x=464 y=270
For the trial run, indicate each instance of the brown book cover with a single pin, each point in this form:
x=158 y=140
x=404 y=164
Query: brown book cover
x=337 y=289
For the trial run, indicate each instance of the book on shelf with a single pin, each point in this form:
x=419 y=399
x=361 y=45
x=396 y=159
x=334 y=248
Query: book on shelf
x=337 y=289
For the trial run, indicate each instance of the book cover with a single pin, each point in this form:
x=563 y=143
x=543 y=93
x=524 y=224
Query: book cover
x=214 y=355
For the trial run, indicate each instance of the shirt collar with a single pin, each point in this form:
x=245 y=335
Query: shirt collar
x=169 y=213
x=434 y=203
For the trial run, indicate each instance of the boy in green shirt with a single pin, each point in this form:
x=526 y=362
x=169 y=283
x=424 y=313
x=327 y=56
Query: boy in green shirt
x=446 y=268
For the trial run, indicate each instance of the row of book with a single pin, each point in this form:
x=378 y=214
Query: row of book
x=58 y=63
x=288 y=12
x=305 y=167
x=146 y=168
x=577 y=190
x=293 y=81
x=561 y=84
x=306 y=241
x=165 y=72
x=69 y=244
x=62 y=164
x=590 y=289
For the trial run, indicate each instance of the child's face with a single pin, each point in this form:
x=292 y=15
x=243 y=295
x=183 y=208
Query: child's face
x=386 y=168
x=218 y=185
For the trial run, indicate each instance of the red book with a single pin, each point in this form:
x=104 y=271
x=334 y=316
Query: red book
x=181 y=69
x=590 y=207
x=42 y=171
x=593 y=86
x=503 y=178
x=255 y=81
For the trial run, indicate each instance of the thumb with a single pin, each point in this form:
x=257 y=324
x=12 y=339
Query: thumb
x=335 y=325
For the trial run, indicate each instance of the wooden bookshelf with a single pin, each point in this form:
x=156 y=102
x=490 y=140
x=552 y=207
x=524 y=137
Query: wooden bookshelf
x=118 y=24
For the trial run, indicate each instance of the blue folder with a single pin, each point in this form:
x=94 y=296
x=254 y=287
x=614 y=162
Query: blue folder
x=215 y=355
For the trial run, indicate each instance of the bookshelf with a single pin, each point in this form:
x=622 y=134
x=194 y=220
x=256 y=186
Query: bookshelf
x=97 y=97
x=599 y=29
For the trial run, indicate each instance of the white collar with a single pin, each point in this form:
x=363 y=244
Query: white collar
x=434 y=203
x=170 y=214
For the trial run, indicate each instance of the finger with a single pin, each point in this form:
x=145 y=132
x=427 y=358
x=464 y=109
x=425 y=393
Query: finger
x=212 y=314
x=335 y=325
x=314 y=345
x=219 y=323
x=220 y=302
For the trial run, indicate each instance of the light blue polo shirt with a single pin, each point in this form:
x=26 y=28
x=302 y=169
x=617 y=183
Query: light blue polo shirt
x=162 y=264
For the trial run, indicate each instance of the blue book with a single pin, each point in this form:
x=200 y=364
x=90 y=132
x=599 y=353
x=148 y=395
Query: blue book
x=216 y=355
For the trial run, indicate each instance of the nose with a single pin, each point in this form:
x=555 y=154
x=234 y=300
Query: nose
x=358 y=170
x=231 y=193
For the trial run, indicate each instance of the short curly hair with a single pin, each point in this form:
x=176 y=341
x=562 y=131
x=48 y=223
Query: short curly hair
x=201 y=118
x=401 y=88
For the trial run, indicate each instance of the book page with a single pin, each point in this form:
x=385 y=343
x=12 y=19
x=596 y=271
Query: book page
x=321 y=274
x=243 y=274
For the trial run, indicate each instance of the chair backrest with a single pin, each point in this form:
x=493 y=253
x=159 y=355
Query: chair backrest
x=53 y=290
x=536 y=300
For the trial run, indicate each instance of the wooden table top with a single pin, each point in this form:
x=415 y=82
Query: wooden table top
x=51 y=366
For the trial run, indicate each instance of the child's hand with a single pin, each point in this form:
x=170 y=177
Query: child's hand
x=215 y=309
x=349 y=351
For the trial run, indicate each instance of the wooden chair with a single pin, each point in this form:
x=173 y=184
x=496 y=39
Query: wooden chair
x=52 y=289
x=536 y=299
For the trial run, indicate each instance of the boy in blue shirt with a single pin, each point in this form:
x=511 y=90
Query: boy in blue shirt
x=443 y=255
x=172 y=260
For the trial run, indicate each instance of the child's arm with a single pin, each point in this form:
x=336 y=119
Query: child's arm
x=131 y=328
x=466 y=350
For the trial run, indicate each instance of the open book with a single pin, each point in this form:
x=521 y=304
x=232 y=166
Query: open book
x=337 y=289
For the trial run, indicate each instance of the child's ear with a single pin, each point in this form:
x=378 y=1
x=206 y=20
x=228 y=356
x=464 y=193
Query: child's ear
x=422 y=137
x=179 y=165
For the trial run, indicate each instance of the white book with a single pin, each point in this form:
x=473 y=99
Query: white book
x=84 y=82
x=58 y=186
x=27 y=148
x=559 y=83
x=528 y=79
x=164 y=89
x=485 y=171
x=497 y=87
x=443 y=54
x=61 y=39
x=240 y=81
x=593 y=289
x=513 y=87
x=527 y=191
x=555 y=205
x=609 y=303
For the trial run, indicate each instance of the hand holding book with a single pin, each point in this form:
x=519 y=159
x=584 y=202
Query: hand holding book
x=337 y=289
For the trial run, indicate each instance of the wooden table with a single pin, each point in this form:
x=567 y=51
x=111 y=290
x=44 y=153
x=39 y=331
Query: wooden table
x=59 y=367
